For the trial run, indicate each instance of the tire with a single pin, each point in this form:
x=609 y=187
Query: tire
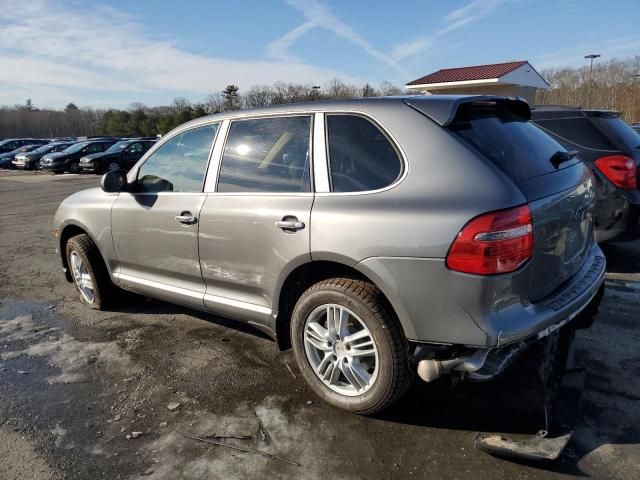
x=112 y=166
x=83 y=249
x=383 y=377
x=74 y=167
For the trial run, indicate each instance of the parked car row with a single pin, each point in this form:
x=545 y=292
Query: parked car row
x=94 y=155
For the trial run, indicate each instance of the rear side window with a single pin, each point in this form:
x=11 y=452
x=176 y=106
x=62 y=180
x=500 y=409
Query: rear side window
x=577 y=131
x=178 y=165
x=517 y=147
x=361 y=157
x=267 y=155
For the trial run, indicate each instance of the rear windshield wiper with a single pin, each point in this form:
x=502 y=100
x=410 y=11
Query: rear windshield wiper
x=561 y=157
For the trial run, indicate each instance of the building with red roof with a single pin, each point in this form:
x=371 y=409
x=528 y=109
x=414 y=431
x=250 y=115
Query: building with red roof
x=517 y=78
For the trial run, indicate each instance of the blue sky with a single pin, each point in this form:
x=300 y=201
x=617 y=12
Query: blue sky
x=114 y=52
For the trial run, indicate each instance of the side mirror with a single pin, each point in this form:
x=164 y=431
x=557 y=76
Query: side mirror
x=114 y=181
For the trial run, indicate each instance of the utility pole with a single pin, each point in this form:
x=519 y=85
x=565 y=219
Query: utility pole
x=590 y=57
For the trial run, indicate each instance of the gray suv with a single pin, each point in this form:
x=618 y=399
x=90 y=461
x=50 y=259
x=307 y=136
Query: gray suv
x=378 y=237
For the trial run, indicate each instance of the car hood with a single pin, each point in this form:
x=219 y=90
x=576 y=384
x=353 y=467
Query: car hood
x=29 y=155
x=101 y=155
x=54 y=156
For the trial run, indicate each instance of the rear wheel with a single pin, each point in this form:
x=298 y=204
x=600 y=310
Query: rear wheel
x=74 y=167
x=90 y=275
x=349 y=346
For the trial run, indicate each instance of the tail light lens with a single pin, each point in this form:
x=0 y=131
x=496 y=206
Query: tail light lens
x=495 y=242
x=619 y=169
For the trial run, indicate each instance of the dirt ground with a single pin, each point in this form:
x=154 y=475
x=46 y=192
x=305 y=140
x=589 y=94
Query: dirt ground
x=86 y=394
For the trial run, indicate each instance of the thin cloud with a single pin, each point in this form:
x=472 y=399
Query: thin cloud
x=318 y=15
x=454 y=20
x=574 y=56
x=279 y=48
x=97 y=51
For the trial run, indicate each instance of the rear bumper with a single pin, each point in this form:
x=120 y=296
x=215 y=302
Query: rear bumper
x=541 y=318
x=437 y=306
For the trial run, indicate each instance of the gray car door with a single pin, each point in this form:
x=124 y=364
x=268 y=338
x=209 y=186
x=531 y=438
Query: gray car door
x=254 y=226
x=155 y=225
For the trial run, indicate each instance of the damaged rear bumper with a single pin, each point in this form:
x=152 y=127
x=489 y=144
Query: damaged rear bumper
x=483 y=364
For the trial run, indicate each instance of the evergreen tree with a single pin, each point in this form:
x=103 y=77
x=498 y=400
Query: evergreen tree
x=231 y=97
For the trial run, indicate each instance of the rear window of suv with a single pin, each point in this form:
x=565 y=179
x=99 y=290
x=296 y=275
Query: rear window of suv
x=621 y=134
x=517 y=147
x=577 y=131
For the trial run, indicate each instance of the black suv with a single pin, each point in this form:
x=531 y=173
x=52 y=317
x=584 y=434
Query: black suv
x=11 y=144
x=120 y=156
x=611 y=149
x=69 y=160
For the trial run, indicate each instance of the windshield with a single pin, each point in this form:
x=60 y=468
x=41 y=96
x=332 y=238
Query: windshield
x=117 y=147
x=76 y=147
x=47 y=148
x=517 y=147
x=43 y=149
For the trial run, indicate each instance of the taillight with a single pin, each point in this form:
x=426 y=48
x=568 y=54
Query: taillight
x=619 y=169
x=495 y=242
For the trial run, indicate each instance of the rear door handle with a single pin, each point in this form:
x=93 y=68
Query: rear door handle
x=186 y=218
x=290 y=225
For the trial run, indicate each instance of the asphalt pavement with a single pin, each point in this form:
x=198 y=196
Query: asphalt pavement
x=141 y=391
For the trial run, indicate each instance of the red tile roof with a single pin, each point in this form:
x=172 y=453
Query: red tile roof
x=478 y=72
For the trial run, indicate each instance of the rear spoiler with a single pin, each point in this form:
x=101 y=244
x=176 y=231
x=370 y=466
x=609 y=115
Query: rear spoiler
x=442 y=109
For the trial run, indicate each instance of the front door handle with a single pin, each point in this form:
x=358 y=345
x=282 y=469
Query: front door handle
x=290 y=225
x=186 y=218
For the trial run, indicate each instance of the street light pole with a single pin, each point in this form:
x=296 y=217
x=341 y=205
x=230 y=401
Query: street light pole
x=590 y=57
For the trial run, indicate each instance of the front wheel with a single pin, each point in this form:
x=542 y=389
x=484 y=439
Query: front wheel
x=349 y=346
x=90 y=275
x=112 y=167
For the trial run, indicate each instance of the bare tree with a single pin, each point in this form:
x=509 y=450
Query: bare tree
x=614 y=86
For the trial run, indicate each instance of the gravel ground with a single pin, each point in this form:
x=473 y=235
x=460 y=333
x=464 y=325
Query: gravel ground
x=86 y=394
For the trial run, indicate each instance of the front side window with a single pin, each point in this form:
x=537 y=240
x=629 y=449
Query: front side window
x=267 y=155
x=180 y=164
x=361 y=157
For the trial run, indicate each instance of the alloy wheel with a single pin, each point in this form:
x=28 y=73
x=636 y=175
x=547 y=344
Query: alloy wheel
x=341 y=350
x=81 y=276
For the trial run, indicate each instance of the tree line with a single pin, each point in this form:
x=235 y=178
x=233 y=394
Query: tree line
x=141 y=120
x=614 y=85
